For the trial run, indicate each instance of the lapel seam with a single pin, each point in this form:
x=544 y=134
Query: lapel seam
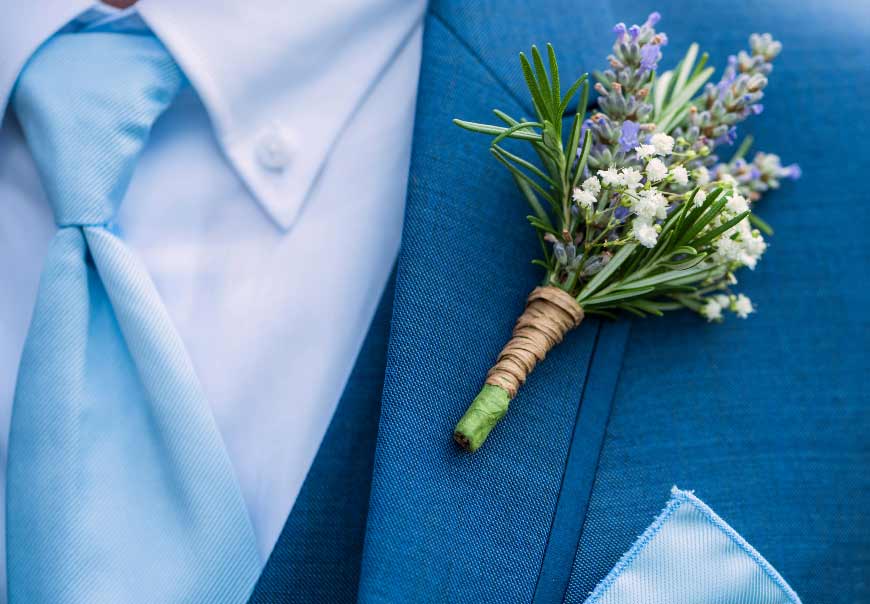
x=597 y=462
x=567 y=458
x=538 y=597
x=480 y=61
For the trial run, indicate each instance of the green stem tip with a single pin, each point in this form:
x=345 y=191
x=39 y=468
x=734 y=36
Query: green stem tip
x=482 y=415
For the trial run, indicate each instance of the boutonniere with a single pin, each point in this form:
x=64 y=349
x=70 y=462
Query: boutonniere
x=634 y=210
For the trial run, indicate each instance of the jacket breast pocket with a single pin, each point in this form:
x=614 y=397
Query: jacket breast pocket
x=686 y=556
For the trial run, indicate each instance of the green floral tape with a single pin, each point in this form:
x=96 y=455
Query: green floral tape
x=483 y=414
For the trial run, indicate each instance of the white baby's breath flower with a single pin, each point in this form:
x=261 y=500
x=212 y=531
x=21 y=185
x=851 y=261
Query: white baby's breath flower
x=650 y=204
x=755 y=245
x=630 y=178
x=643 y=207
x=702 y=175
x=656 y=170
x=742 y=306
x=645 y=233
x=712 y=310
x=699 y=199
x=592 y=185
x=737 y=204
x=609 y=176
x=584 y=199
x=680 y=175
x=728 y=181
x=748 y=261
x=729 y=249
x=722 y=300
x=663 y=143
x=644 y=151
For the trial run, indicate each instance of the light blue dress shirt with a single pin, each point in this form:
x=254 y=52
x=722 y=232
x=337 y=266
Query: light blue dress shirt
x=284 y=167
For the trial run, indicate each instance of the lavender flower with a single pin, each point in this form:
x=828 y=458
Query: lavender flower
x=712 y=120
x=728 y=137
x=595 y=263
x=560 y=253
x=620 y=30
x=650 y=55
x=621 y=213
x=764 y=173
x=654 y=17
x=623 y=90
x=628 y=139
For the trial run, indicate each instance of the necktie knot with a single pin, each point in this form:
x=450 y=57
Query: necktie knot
x=86 y=103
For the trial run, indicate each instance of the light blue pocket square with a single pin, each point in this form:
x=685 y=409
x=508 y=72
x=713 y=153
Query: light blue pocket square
x=691 y=556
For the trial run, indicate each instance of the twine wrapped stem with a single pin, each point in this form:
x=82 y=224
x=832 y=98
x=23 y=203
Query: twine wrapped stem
x=550 y=313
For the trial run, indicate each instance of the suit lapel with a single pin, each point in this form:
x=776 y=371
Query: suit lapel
x=444 y=525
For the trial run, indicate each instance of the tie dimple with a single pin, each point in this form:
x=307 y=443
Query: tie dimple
x=86 y=105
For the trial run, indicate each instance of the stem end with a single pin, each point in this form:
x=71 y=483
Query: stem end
x=487 y=408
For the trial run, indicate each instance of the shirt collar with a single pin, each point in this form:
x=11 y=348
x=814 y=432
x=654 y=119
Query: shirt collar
x=34 y=22
x=279 y=79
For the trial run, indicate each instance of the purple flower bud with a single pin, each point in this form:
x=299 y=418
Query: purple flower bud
x=728 y=138
x=621 y=213
x=654 y=17
x=559 y=251
x=728 y=78
x=594 y=265
x=756 y=108
x=793 y=171
x=570 y=252
x=649 y=57
x=619 y=30
x=663 y=38
x=634 y=32
x=754 y=173
x=587 y=124
x=628 y=139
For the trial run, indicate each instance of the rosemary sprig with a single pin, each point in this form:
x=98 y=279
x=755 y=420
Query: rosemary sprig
x=633 y=212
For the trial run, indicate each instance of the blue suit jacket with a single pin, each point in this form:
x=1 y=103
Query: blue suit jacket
x=766 y=418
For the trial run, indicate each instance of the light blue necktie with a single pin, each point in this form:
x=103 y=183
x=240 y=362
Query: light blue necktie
x=119 y=488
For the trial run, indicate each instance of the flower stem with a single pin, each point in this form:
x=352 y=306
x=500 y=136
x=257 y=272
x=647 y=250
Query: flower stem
x=550 y=312
x=482 y=415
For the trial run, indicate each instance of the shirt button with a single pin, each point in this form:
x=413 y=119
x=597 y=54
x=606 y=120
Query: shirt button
x=273 y=152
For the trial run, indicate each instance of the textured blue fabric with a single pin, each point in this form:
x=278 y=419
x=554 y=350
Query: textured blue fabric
x=690 y=555
x=317 y=557
x=444 y=525
x=764 y=416
x=118 y=487
x=767 y=418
